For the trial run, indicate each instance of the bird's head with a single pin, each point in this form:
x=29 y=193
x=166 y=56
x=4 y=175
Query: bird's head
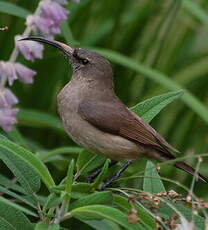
x=85 y=63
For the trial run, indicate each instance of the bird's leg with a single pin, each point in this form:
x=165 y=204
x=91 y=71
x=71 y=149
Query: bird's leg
x=91 y=178
x=117 y=175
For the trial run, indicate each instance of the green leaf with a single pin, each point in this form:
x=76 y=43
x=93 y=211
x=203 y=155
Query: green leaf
x=192 y=71
x=149 y=108
x=109 y=213
x=151 y=184
x=88 y=161
x=101 y=224
x=53 y=200
x=196 y=10
x=198 y=220
x=81 y=189
x=16 y=196
x=78 y=190
x=165 y=211
x=67 y=33
x=25 y=174
x=101 y=175
x=11 y=205
x=39 y=119
x=158 y=77
x=95 y=198
x=29 y=158
x=46 y=226
x=124 y=204
x=12 y=9
x=17 y=137
x=4 y=225
x=62 y=150
x=13 y=219
x=70 y=177
x=11 y=185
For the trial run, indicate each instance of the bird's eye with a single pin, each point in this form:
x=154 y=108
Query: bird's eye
x=84 y=61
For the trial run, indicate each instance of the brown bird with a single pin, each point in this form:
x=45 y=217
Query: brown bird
x=96 y=119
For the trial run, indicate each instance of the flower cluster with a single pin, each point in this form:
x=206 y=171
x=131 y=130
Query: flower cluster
x=7 y=113
x=46 y=20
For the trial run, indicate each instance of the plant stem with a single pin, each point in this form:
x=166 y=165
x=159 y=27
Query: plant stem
x=63 y=210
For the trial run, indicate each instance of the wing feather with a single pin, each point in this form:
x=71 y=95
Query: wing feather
x=113 y=117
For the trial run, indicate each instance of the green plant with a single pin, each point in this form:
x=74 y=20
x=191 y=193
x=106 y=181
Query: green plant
x=154 y=46
x=72 y=198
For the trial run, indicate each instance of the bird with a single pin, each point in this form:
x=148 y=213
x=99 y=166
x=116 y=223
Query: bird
x=96 y=119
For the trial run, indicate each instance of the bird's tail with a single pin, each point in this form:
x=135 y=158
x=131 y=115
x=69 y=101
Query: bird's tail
x=190 y=170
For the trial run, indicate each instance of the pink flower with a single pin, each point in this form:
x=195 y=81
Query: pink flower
x=7 y=69
x=13 y=71
x=8 y=118
x=48 y=20
x=30 y=50
x=7 y=114
x=36 y=22
x=53 y=11
x=7 y=98
x=24 y=74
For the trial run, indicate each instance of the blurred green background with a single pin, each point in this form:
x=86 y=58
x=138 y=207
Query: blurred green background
x=147 y=42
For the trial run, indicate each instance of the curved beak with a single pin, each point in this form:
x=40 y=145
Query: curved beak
x=61 y=46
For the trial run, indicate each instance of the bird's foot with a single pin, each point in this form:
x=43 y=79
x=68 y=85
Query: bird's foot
x=115 y=176
x=107 y=183
x=91 y=178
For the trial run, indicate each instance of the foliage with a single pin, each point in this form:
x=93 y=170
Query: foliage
x=154 y=46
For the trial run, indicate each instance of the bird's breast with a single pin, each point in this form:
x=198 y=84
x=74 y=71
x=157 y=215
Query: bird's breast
x=89 y=136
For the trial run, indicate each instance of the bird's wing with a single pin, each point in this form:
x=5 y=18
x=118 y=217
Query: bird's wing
x=115 y=118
